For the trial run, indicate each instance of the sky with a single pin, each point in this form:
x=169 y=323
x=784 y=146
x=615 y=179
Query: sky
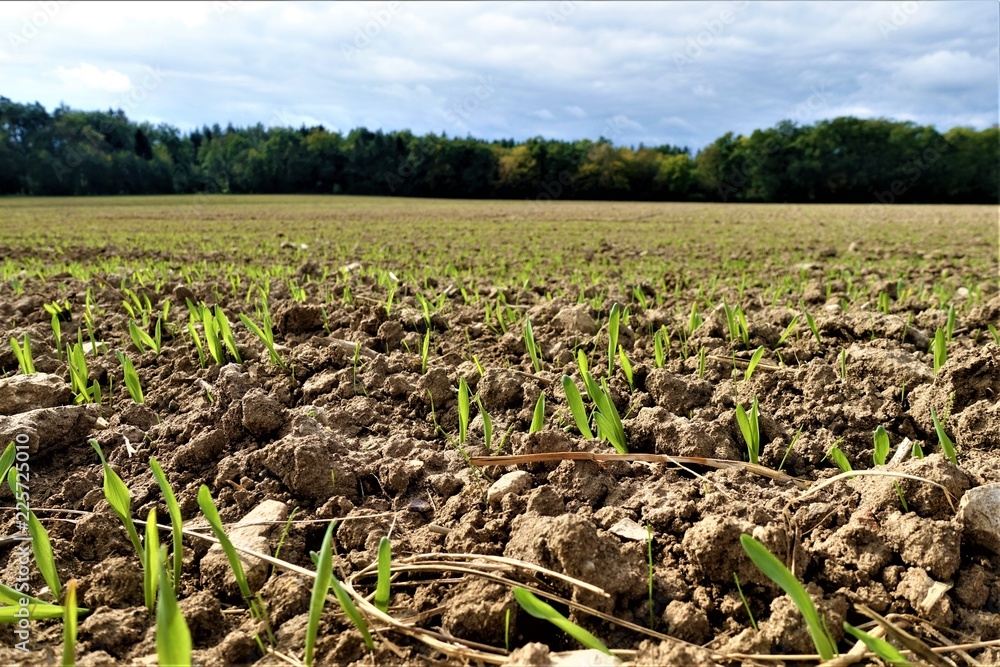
x=680 y=73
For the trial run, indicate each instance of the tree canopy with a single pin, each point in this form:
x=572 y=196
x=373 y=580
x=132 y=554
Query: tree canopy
x=71 y=152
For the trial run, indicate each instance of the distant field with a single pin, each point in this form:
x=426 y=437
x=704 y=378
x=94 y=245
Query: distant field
x=368 y=359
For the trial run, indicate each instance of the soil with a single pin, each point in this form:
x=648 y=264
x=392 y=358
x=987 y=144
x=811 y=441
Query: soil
x=258 y=435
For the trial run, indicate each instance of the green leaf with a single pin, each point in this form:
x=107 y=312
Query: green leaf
x=352 y=612
x=384 y=574
x=151 y=564
x=879 y=647
x=614 y=321
x=36 y=612
x=881 y=439
x=947 y=446
x=176 y=523
x=324 y=571
x=70 y=613
x=7 y=459
x=539 y=609
x=119 y=497
x=576 y=407
x=208 y=508
x=779 y=574
x=538 y=418
x=173 y=639
x=754 y=360
x=463 y=410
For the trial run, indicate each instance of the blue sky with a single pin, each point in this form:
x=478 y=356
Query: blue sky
x=680 y=73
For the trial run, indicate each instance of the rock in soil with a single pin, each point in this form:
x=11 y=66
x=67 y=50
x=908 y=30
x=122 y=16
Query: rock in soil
x=21 y=393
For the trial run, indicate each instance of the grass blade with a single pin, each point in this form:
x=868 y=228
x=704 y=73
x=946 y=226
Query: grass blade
x=779 y=574
x=352 y=612
x=70 y=613
x=384 y=574
x=176 y=524
x=614 y=322
x=879 y=647
x=119 y=497
x=576 y=407
x=173 y=639
x=324 y=571
x=539 y=609
x=151 y=564
x=881 y=439
x=538 y=418
x=947 y=446
x=208 y=508
x=754 y=360
x=463 y=410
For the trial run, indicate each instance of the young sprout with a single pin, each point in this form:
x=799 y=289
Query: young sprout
x=813 y=327
x=463 y=410
x=173 y=639
x=994 y=333
x=791 y=445
x=837 y=455
x=321 y=584
x=788 y=331
x=940 y=349
x=880 y=647
x=57 y=335
x=70 y=613
x=575 y=402
x=749 y=424
x=384 y=574
x=176 y=524
x=746 y=604
x=538 y=418
x=947 y=446
x=661 y=344
x=266 y=336
x=23 y=354
x=609 y=423
x=41 y=547
x=487 y=425
x=626 y=367
x=425 y=351
x=614 y=320
x=702 y=356
x=881 y=454
x=151 y=563
x=143 y=340
x=779 y=574
x=949 y=327
x=535 y=607
x=754 y=360
x=531 y=346
x=120 y=499
x=131 y=378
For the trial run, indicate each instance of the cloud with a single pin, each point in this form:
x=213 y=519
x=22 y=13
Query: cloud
x=89 y=76
x=561 y=68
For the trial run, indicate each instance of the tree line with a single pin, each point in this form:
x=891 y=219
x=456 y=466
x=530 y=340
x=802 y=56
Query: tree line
x=72 y=152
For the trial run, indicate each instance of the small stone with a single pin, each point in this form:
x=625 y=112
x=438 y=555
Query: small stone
x=575 y=319
x=516 y=482
x=979 y=513
x=262 y=414
x=21 y=393
x=627 y=529
x=252 y=532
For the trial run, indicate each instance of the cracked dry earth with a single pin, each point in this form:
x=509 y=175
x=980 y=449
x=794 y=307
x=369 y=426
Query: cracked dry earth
x=265 y=441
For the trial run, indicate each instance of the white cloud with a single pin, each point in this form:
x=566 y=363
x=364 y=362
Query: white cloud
x=88 y=76
x=544 y=114
x=576 y=112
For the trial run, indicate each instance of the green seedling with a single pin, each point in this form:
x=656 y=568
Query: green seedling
x=947 y=446
x=917 y=451
x=266 y=336
x=226 y=334
x=41 y=547
x=609 y=423
x=487 y=425
x=661 y=344
x=531 y=346
x=789 y=330
x=463 y=410
x=324 y=572
x=70 y=614
x=626 y=367
x=151 y=564
x=535 y=607
x=382 y=590
x=614 y=321
x=425 y=351
x=949 y=327
x=506 y=630
x=881 y=454
x=813 y=327
x=788 y=450
x=57 y=335
x=80 y=375
x=752 y=366
x=143 y=340
x=173 y=639
x=576 y=407
x=880 y=647
x=7 y=460
x=746 y=604
x=37 y=609
x=351 y=611
x=120 y=499
x=836 y=454
x=939 y=347
x=131 y=378
x=994 y=333
x=749 y=424
x=211 y=513
x=702 y=356
x=779 y=574
x=538 y=418
x=23 y=354
x=176 y=524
